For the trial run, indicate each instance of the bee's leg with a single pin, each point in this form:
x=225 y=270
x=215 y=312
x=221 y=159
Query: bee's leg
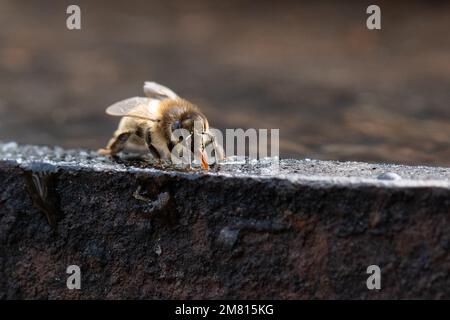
x=219 y=153
x=165 y=153
x=151 y=148
x=154 y=152
x=116 y=144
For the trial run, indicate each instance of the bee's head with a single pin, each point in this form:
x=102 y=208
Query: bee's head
x=192 y=122
x=189 y=128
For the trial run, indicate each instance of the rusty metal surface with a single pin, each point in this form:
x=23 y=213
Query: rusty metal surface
x=147 y=233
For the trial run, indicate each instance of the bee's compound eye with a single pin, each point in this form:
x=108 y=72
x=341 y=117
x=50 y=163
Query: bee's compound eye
x=176 y=125
x=180 y=138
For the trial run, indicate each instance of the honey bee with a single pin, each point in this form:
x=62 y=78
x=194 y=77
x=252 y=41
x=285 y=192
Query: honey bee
x=151 y=121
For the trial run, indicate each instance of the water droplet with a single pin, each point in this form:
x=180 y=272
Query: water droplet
x=158 y=249
x=389 y=176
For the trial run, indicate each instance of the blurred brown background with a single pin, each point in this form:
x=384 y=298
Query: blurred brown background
x=335 y=89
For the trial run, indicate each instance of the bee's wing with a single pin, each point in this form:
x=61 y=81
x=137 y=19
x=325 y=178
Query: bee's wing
x=154 y=90
x=136 y=107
